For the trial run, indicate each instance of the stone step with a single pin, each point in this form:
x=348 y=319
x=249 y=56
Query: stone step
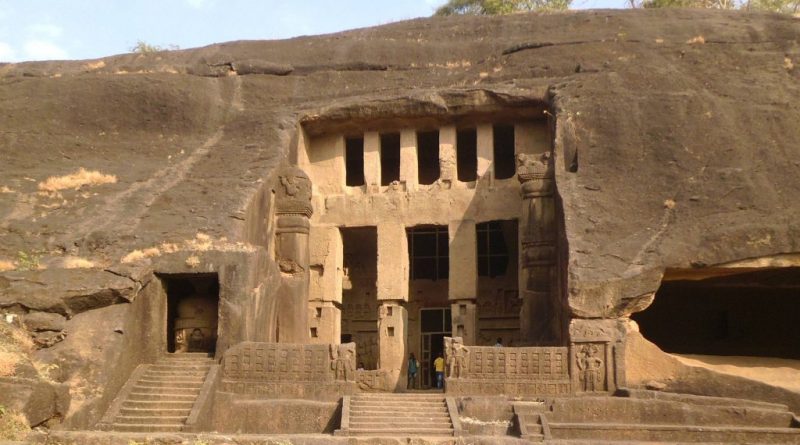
x=397 y=413
x=411 y=423
x=394 y=415
x=399 y=396
x=401 y=431
x=181 y=373
x=397 y=403
x=159 y=428
x=673 y=433
x=150 y=420
x=197 y=384
x=155 y=412
x=149 y=389
x=163 y=396
x=158 y=404
x=179 y=368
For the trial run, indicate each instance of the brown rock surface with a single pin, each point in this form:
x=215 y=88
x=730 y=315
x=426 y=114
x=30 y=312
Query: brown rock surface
x=676 y=146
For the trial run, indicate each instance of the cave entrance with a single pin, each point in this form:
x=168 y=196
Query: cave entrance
x=192 y=312
x=726 y=312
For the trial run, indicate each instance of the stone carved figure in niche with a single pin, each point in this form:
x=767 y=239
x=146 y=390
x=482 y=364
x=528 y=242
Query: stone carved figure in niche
x=181 y=343
x=591 y=368
x=343 y=362
x=457 y=357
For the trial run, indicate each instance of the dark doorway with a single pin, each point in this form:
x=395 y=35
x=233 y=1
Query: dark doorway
x=359 y=322
x=390 y=158
x=505 y=165
x=726 y=312
x=467 y=154
x=192 y=312
x=435 y=325
x=354 y=161
x=428 y=156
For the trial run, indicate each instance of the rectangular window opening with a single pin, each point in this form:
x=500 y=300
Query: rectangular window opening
x=428 y=156
x=314 y=333
x=428 y=252
x=504 y=162
x=354 y=161
x=493 y=239
x=467 y=154
x=390 y=158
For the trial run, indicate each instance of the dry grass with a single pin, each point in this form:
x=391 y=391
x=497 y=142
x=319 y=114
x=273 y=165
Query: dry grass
x=15 y=345
x=77 y=263
x=699 y=40
x=193 y=261
x=6 y=265
x=200 y=243
x=76 y=180
x=13 y=425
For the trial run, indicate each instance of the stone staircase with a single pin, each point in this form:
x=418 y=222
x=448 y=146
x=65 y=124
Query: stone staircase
x=405 y=415
x=159 y=397
x=532 y=421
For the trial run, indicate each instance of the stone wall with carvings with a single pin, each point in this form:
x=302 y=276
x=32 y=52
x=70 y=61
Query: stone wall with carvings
x=531 y=371
x=281 y=370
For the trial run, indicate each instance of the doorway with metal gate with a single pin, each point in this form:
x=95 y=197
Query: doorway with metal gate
x=435 y=325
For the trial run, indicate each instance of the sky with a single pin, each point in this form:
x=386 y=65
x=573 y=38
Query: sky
x=87 y=29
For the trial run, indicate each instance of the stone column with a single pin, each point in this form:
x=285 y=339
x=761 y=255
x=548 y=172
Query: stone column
x=485 y=135
x=392 y=342
x=372 y=161
x=539 y=314
x=292 y=213
x=447 y=155
x=325 y=287
x=463 y=290
x=393 y=276
x=408 y=159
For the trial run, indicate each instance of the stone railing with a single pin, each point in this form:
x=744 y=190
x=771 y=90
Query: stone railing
x=272 y=370
x=501 y=370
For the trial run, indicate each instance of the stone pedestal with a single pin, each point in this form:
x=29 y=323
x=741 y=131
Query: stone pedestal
x=325 y=286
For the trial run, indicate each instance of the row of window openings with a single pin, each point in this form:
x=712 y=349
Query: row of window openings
x=429 y=251
x=428 y=168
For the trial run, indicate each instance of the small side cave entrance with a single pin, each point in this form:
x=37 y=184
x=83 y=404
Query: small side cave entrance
x=192 y=312
x=726 y=312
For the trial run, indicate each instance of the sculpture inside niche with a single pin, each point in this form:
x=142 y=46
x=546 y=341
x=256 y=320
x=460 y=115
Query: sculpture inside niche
x=196 y=322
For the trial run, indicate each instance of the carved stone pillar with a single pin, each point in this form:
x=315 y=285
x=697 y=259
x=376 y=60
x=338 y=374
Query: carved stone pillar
x=392 y=338
x=539 y=314
x=292 y=213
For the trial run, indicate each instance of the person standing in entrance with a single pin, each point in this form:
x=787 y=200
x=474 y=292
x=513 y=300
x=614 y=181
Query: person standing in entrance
x=413 y=367
x=438 y=366
x=499 y=343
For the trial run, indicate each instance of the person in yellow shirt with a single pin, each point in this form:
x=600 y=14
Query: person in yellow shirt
x=438 y=366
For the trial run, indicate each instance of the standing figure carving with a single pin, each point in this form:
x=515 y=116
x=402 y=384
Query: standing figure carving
x=457 y=357
x=591 y=369
x=343 y=362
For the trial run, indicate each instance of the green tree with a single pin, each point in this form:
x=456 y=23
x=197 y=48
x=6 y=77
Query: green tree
x=499 y=7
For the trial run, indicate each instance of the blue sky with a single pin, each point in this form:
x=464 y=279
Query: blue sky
x=85 y=29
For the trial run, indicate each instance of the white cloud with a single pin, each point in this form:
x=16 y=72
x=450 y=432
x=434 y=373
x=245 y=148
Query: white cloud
x=43 y=50
x=46 y=30
x=7 y=53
